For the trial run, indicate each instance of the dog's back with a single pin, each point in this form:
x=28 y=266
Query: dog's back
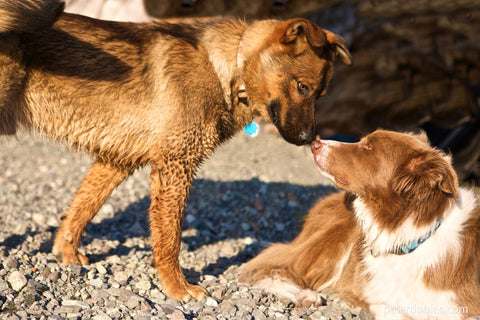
x=28 y=15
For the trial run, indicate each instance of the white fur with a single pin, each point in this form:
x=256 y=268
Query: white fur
x=396 y=286
x=288 y=289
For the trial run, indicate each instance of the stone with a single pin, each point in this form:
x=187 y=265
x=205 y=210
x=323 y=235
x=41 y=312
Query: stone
x=177 y=315
x=17 y=280
x=258 y=315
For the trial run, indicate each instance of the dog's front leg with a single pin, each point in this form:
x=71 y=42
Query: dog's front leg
x=97 y=185
x=170 y=186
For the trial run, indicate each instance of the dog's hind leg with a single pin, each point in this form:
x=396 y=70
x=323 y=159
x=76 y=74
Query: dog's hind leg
x=170 y=186
x=96 y=187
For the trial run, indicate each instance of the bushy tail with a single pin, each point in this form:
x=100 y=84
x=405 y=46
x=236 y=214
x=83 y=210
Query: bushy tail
x=28 y=15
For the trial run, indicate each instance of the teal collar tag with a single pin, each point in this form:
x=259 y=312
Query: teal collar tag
x=251 y=129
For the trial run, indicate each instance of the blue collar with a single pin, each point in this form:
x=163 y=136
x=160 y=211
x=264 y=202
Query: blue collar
x=408 y=248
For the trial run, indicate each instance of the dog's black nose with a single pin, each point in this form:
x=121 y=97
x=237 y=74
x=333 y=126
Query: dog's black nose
x=305 y=137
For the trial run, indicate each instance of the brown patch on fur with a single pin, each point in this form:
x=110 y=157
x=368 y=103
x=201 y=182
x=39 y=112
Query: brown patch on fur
x=311 y=259
x=164 y=94
x=397 y=176
x=400 y=173
x=462 y=275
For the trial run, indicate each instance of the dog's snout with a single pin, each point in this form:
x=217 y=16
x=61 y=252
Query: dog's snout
x=316 y=145
x=305 y=137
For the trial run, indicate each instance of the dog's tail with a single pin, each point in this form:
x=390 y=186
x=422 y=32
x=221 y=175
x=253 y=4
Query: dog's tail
x=28 y=15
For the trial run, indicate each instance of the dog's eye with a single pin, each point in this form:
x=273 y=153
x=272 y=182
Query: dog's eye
x=302 y=89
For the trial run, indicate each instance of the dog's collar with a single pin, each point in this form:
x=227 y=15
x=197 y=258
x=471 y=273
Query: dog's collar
x=242 y=94
x=408 y=248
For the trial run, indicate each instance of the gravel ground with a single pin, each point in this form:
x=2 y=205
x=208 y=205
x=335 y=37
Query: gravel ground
x=252 y=192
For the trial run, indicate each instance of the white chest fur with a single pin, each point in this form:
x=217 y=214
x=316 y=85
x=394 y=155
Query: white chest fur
x=396 y=289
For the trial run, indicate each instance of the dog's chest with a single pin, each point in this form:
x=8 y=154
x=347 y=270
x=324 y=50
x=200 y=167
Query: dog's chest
x=396 y=289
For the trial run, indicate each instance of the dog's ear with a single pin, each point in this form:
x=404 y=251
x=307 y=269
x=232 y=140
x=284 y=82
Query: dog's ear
x=423 y=173
x=303 y=30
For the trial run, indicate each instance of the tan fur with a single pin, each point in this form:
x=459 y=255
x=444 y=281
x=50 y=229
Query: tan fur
x=398 y=177
x=155 y=93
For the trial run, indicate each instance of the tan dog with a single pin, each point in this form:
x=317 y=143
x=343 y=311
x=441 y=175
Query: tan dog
x=402 y=239
x=154 y=93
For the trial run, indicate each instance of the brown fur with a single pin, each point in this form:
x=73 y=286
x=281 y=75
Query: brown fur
x=397 y=176
x=155 y=93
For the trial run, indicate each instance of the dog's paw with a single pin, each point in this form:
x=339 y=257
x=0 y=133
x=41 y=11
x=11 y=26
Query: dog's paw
x=196 y=292
x=68 y=256
x=307 y=298
x=186 y=292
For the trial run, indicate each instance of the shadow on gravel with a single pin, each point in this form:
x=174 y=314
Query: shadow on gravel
x=216 y=211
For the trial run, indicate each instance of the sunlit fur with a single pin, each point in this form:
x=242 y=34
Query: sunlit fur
x=396 y=190
x=163 y=94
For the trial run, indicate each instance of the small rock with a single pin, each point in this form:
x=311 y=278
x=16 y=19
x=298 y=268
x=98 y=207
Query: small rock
x=259 y=204
x=194 y=306
x=37 y=286
x=76 y=269
x=101 y=269
x=143 y=285
x=168 y=308
x=227 y=309
x=143 y=315
x=76 y=303
x=133 y=304
x=366 y=315
x=258 y=315
x=54 y=276
x=121 y=277
x=211 y=302
x=177 y=315
x=101 y=316
x=3 y=286
x=96 y=283
x=11 y=263
x=17 y=280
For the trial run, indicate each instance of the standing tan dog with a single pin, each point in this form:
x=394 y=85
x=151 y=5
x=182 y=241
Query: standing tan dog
x=154 y=93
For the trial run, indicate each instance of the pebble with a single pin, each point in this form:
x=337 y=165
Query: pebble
x=17 y=280
x=143 y=285
x=177 y=315
x=11 y=263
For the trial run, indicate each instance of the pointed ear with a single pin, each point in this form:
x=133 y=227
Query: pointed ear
x=340 y=49
x=425 y=173
x=303 y=30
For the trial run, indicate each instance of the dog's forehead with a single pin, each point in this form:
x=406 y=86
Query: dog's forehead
x=306 y=65
x=407 y=141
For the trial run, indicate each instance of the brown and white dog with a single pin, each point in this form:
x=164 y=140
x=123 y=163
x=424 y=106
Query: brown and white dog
x=159 y=94
x=402 y=239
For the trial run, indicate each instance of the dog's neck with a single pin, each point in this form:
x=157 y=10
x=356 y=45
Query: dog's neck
x=408 y=247
x=409 y=237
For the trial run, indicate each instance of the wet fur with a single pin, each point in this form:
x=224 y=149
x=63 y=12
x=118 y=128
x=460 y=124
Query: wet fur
x=396 y=187
x=163 y=94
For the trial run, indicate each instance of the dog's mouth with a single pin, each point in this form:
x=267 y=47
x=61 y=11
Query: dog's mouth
x=273 y=112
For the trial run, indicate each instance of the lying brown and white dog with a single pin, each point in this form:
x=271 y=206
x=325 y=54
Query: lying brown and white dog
x=402 y=239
